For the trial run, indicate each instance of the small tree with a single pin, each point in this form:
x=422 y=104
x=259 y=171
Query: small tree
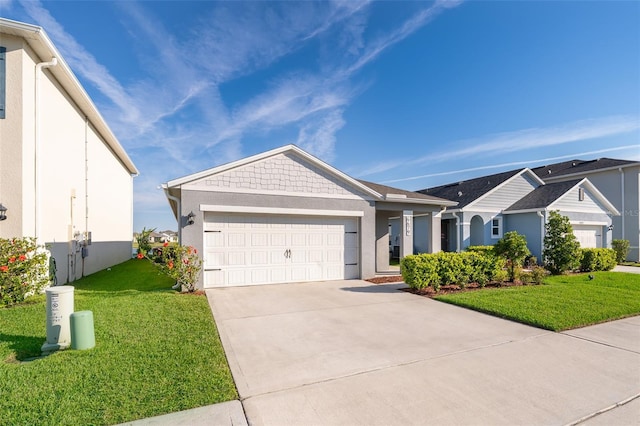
x=561 y=248
x=621 y=248
x=512 y=247
x=144 y=241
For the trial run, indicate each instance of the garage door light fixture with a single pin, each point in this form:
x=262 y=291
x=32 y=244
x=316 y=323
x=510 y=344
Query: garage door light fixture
x=191 y=218
x=3 y=212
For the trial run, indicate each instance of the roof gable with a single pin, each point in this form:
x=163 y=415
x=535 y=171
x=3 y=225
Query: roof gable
x=472 y=191
x=557 y=196
x=287 y=168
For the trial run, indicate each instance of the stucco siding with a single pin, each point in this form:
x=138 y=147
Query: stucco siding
x=12 y=131
x=83 y=184
x=507 y=194
x=531 y=226
x=193 y=234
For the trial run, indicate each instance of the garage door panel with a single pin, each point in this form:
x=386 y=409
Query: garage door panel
x=236 y=258
x=260 y=240
x=261 y=249
x=214 y=258
x=259 y=257
x=236 y=239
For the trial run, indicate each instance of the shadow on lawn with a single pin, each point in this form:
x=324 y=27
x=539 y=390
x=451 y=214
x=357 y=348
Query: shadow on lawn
x=24 y=347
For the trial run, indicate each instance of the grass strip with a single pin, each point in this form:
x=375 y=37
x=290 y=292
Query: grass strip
x=156 y=352
x=562 y=303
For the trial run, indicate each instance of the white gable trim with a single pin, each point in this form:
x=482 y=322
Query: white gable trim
x=279 y=211
x=594 y=191
x=270 y=192
x=528 y=171
x=283 y=149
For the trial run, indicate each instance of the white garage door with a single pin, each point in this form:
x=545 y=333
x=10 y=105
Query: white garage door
x=589 y=236
x=265 y=249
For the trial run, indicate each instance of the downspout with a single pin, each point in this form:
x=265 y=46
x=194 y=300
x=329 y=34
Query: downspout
x=454 y=214
x=85 y=247
x=622 y=202
x=37 y=172
x=542 y=223
x=179 y=211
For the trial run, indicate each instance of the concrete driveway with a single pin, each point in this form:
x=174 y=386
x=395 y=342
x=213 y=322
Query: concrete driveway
x=351 y=352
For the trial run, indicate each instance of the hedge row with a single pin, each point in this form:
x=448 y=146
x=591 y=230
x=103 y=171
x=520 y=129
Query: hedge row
x=435 y=269
x=597 y=259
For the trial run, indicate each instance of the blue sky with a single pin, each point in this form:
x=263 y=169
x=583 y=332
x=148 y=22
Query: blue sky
x=411 y=94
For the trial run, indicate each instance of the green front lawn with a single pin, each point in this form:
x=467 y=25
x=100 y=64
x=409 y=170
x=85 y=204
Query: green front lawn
x=563 y=302
x=156 y=352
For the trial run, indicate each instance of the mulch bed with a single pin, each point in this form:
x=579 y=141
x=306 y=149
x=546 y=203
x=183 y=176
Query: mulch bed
x=445 y=289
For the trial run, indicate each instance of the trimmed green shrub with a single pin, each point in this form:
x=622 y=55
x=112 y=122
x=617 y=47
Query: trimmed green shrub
x=597 y=259
x=435 y=270
x=534 y=276
x=419 y=271
x=513 y=247
x=561 y=248
x=621 y=248
x=481 y=249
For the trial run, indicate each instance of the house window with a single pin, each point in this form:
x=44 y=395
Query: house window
x=3 y=80
x=496 y=227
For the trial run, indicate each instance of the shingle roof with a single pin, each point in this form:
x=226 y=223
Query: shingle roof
x=578 y=166
x=543 y=196
x=384 y=190
x=467 y=191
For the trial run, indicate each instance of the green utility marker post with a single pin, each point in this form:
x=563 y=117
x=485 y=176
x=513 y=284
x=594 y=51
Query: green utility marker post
x=82 y=335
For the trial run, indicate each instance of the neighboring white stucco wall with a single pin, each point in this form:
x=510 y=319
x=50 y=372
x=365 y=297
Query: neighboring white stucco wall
x=84 y=186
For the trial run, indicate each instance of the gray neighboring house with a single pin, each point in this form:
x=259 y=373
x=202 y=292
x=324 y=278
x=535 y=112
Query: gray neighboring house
x=618 y=180
x=518 y=200
x=286 y=216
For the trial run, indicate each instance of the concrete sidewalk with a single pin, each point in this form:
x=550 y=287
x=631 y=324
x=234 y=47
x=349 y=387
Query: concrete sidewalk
x=349 y=352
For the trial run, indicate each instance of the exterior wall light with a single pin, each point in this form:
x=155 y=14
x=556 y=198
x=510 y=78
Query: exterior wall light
x=3 y=212
x=191 y=218
x=610 y=227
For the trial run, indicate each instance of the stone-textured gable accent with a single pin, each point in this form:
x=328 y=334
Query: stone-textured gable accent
x=281 y=173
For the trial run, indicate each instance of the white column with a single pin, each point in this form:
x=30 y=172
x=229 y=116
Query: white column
x=435 y=232
x=406 y=233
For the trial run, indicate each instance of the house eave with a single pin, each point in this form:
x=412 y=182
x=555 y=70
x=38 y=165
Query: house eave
x=39 y=41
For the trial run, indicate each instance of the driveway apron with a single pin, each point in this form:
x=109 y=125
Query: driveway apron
x=352 y=352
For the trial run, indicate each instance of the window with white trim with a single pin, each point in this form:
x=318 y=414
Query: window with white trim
x=496 y=227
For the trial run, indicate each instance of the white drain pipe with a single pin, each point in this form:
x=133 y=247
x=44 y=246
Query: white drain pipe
x=37 y=168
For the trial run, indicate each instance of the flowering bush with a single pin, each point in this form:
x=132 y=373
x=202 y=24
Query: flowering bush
x=181 y=263
x=23 y=269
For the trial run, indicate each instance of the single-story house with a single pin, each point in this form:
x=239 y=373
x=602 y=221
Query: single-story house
x=286 y=216
x=64 y=177
x=518 y=200
x=618 y=181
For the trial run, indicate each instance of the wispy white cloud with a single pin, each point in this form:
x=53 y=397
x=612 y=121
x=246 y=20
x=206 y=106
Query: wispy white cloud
x=521 y=140
x=175 y=114
x=527 y=163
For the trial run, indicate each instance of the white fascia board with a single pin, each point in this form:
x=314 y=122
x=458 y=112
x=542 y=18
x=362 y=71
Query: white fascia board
x=520 y=173
x=420 y=201
x=524 y=211
x=594 y=191
x=286 y=148
x=38 y=40
x=588 y=222
x=279 y=211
